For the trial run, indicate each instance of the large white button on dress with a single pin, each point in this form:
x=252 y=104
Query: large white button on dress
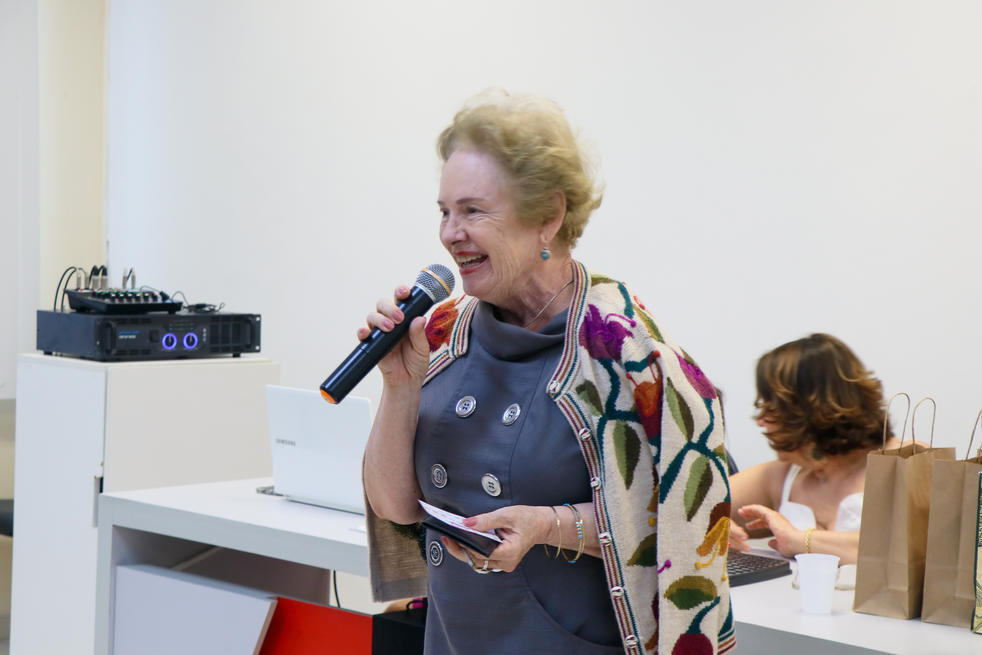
x=466 y=406
x=492 y=486
x=511 y=414
x=438 y=475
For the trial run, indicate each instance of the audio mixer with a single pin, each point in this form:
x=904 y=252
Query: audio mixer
x=120 y=301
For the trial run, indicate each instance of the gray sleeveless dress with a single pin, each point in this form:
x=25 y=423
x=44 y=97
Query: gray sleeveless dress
x=488 y=437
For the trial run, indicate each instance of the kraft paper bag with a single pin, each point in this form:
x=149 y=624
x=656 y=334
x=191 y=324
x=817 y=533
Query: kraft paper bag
x=977 y=616
x=893 y=536
x=949 y=569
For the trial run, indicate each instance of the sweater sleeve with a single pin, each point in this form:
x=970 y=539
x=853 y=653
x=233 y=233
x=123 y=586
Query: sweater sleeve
x=651 y=431
x=693 y=512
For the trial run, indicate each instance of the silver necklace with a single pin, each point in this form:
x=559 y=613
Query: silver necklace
x=544 y=307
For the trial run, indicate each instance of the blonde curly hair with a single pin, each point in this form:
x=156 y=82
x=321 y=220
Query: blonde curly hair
x=530 y=138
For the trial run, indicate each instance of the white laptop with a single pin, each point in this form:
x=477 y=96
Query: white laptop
x=317 y=447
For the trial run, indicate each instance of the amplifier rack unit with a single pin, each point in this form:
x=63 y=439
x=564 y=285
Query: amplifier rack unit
x=137 y=337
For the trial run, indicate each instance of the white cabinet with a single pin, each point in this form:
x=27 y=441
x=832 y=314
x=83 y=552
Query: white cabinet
x=88 y=426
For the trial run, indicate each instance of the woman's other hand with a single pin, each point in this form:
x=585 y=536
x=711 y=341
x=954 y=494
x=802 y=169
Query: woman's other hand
x=408 y=361
x=520 y=527
x=787 y=539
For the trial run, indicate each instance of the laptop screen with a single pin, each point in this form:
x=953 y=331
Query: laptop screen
x=317 y=447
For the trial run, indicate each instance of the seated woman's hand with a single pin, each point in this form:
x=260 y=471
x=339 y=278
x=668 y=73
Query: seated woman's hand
x=787 y=538
x=738 y=538
x=519 y=527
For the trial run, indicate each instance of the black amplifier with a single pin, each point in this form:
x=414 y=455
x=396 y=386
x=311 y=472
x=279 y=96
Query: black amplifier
x=135 y=337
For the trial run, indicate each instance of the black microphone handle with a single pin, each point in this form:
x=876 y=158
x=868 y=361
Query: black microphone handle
x=377 y=345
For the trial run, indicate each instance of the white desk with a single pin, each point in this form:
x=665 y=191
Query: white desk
x=167 y=525
x=163 y=526
x=769 y=620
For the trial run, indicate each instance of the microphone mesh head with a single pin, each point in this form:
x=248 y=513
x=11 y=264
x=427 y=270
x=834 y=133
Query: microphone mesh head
x=437 y=281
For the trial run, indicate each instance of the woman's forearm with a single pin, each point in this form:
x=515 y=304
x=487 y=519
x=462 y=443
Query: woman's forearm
x=566 y=533
x=389 y=472
x=843 y=544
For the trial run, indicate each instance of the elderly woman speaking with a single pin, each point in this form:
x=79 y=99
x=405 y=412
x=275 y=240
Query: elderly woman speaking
x=547 y=405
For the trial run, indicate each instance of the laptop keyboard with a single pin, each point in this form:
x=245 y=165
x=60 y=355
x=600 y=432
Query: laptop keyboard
x=745 y=568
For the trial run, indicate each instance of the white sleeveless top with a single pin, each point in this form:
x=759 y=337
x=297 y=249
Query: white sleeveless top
x=802 y=517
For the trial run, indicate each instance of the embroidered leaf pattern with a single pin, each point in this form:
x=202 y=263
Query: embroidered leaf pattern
x=646 y=553
x=601 y=279
x=680 y=410
x=700 y=480
x=720 y=510
x=440 y=323
x=627 y=448
x=588 y=393
x=650 y=325
x=691 y=590
x=696 y=378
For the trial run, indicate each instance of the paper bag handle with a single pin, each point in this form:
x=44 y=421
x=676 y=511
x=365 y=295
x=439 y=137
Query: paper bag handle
x=913 y=415
x=886 y=419
x=968 y=455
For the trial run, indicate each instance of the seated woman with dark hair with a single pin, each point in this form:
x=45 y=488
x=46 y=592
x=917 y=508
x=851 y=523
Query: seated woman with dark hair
x=822 y=412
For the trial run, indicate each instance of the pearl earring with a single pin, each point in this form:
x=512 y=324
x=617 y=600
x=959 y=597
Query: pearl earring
x=546 y=253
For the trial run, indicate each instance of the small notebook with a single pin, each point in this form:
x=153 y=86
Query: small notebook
x=451 y=524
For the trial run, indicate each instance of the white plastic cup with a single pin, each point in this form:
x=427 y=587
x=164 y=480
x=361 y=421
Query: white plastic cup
x=816 y=579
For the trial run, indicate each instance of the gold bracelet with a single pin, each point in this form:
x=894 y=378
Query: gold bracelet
x=559 y=529
x=579 y=534
x=808 y=539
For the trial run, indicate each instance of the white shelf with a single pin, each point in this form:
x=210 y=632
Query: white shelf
x=84 y=426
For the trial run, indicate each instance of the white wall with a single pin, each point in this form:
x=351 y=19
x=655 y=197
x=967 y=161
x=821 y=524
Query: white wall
x=19 y=180
x=51 y=158
x=772 y=168
x=71 y=62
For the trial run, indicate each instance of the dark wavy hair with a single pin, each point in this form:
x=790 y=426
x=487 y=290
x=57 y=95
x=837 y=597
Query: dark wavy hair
x=816 y=391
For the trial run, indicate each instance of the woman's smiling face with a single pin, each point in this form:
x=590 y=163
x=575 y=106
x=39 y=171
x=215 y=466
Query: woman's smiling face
x=494 y=251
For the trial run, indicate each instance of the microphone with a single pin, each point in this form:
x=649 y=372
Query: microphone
x=433 y=284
